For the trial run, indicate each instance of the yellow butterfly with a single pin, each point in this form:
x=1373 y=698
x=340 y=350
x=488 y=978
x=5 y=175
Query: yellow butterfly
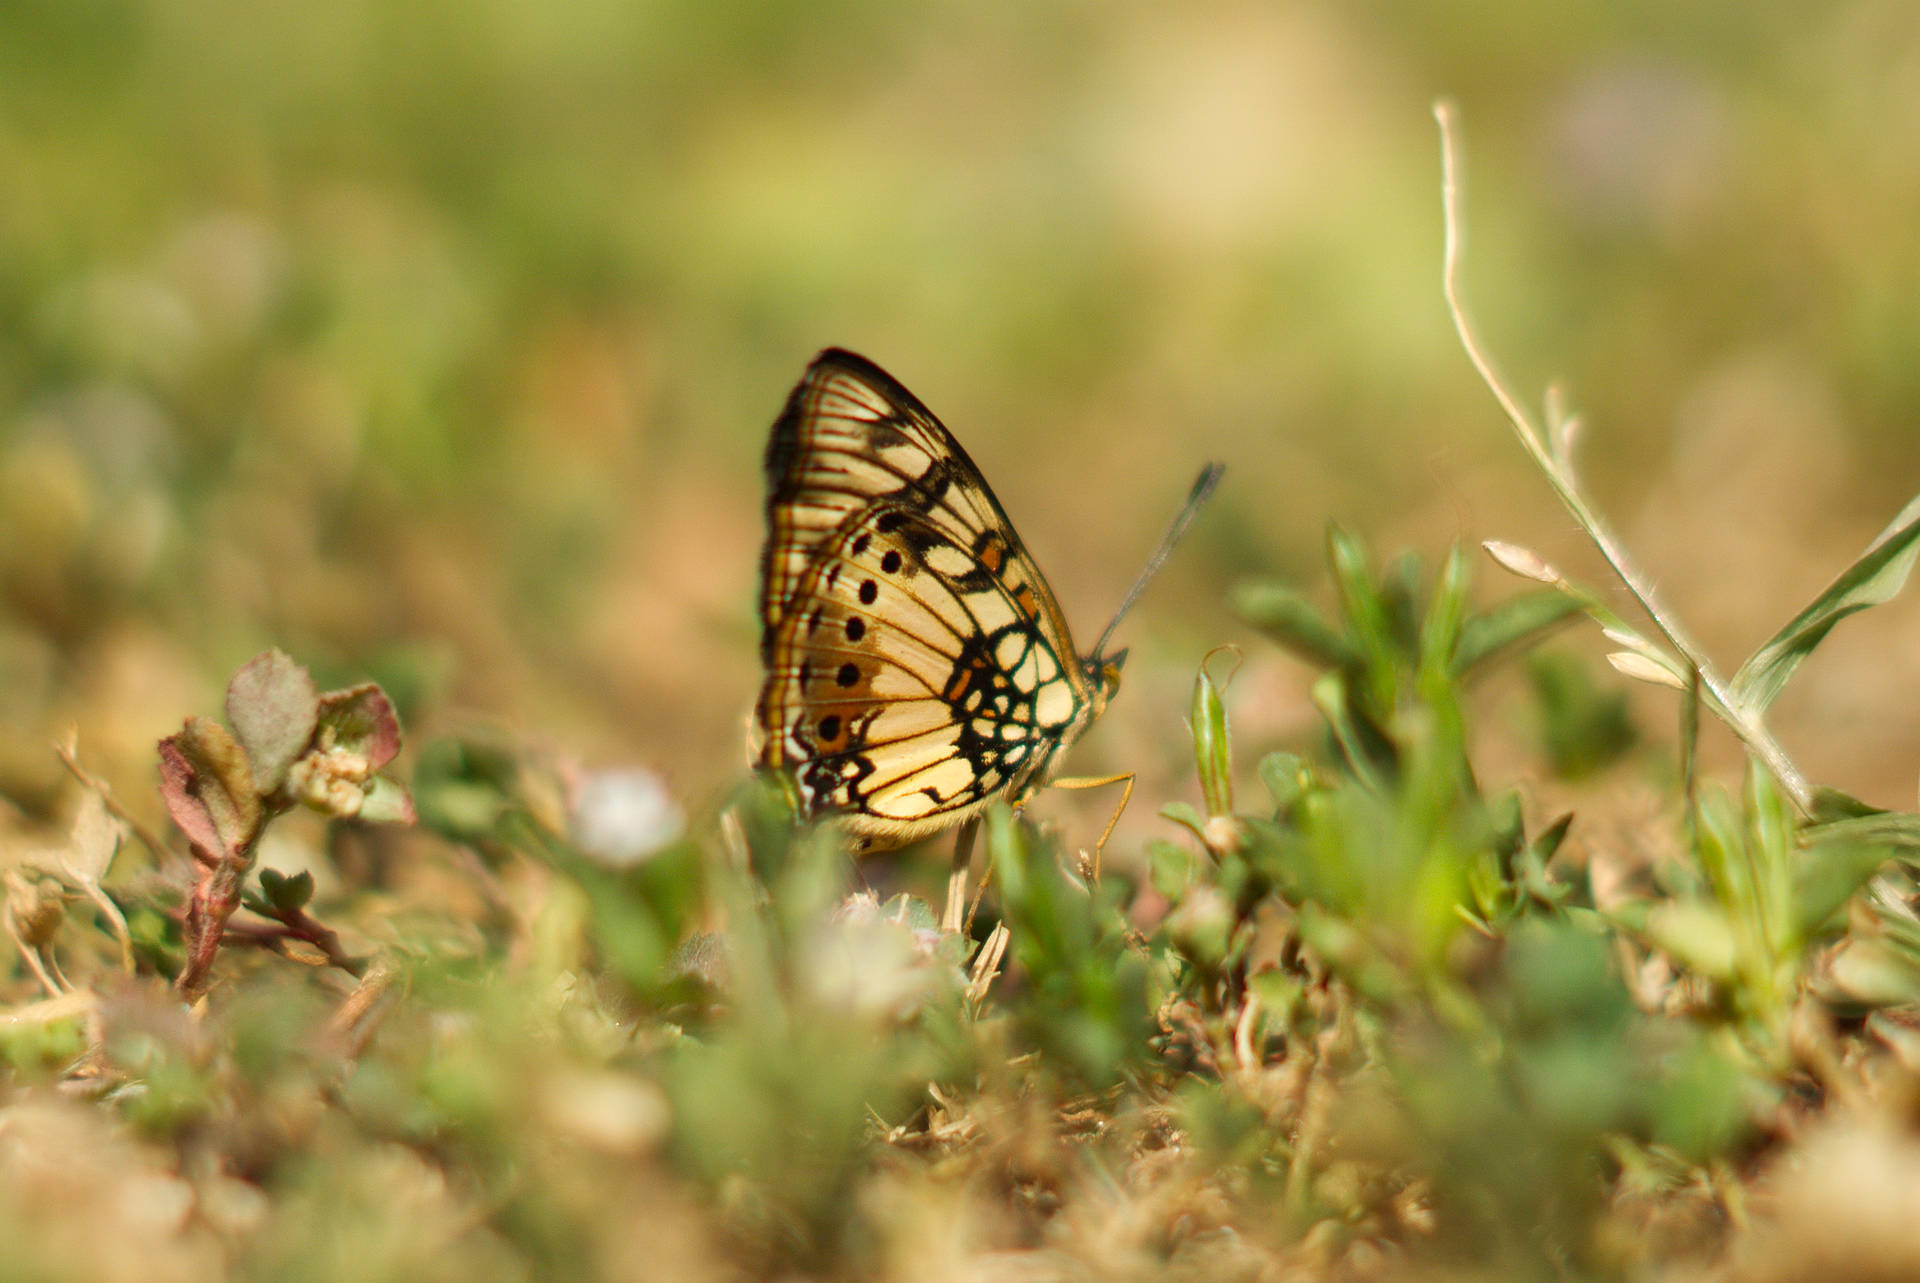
x=917 y=665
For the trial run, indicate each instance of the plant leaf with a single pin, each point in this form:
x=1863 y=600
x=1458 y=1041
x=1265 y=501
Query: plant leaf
x=387 y=802
x=1184 y=814
x=360 y=719
x=287 y=894
x=95 y=837
x=1212 y=745
x=1697 y=935
x=1879 y=574
x=1512 y=623
x=274 y=708
x=207 y=784
x=1447 y=615
x=1831 y=804
x=1286 y=778
x=1294 y=622
x=1368 y=619
x=1830 y=875
x=1897 y=829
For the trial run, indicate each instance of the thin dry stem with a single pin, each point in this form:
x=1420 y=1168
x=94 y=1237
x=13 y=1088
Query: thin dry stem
x=122 y=934
x=954 y=914
x=353 y=1023
x=1243 y=1051
x=31 y=956
x=986 y=964
x=163 y=855
x=1558 y=469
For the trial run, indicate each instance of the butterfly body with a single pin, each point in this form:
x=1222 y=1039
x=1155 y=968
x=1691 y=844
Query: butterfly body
x=917 y=665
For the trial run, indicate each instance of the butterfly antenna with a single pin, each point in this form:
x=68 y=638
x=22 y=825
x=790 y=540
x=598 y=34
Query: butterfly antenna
x=1202 y=488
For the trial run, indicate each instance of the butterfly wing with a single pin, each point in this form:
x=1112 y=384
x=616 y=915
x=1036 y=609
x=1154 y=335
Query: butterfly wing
x=851 y=435
x=917 y=665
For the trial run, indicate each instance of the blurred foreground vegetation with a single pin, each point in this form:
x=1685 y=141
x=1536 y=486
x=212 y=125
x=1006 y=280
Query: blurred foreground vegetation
x=434 y=345
x=1365 y=1020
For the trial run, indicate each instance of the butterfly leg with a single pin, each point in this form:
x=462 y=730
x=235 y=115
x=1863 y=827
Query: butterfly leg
x=1093 y=782
x=950 y=918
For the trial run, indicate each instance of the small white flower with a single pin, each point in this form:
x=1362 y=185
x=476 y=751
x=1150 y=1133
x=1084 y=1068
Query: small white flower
x=620 y=817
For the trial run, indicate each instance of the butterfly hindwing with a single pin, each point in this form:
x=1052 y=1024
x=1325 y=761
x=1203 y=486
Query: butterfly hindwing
x=912 y=690
x=917 y=665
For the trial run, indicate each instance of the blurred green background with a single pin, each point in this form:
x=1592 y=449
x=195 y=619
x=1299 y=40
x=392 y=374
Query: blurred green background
x=438 y=342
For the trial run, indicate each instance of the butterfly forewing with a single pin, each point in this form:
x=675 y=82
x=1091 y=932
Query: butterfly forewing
x=850 y=435
x=917 y=664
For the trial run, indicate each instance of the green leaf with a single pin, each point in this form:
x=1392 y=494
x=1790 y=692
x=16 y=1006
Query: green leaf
x=1584 y=726
x=1703 y=1101
x=274 y=707
x=1212 y=746
x=1296 y=623
x=467 y=786
x=1447 y=615
x=1876 y=577
x=1515 y=622
x=1184 y=814
x=1897 y=829
x=286 y=894
x=1278 y=991
x=1366 y=611
x=1546 y=843
x=1831 y=804
x=1832 y=873
x=1172 y=868
x=1697 y=935
x=1401 y=595
x=1330 y=696
x=1719 y=843
x=1201 y=927
x=1286 y=777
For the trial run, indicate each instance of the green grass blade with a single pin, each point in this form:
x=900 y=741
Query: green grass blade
x=1212 y=744
x=1361 y=601
x=1511 y=624
x=1440 y=631
x=1875 y=578
x=1296 y=623
x=1899 y=830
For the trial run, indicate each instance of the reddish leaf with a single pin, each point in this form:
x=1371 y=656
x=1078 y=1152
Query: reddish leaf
x=207 y=784
x=274 y=707
x=360 y=719
x=177 y=791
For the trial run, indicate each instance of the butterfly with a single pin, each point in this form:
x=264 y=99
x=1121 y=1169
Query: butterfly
x=917 y=664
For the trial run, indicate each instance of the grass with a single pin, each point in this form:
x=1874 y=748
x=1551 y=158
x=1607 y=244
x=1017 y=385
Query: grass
x=1373 y=1021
